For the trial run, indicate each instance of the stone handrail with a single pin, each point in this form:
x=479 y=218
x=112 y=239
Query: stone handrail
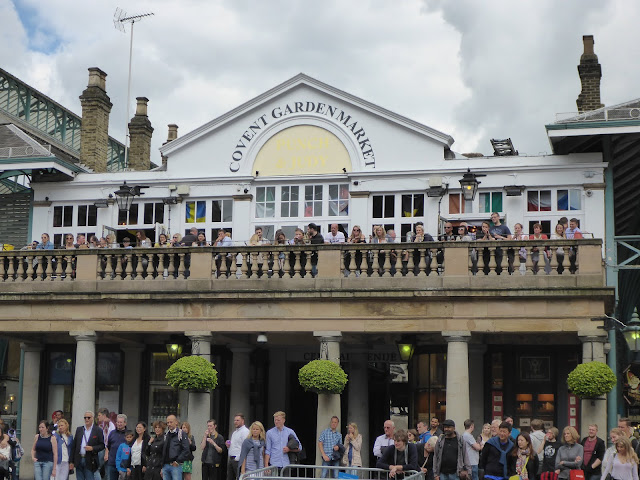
x=426 y=259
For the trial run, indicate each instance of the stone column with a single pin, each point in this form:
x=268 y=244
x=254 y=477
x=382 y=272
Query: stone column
x=476 y=384
x=593 y=411
x=131 y=384
x=328 y=404
x=458 y=377
x=30 y=393
x=199 y=409
x=358 y=386
x=239 y=402
x=84 y=381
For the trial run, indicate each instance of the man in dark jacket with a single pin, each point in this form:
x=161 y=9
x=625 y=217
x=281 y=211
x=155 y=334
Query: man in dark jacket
x=176 y=450
x=88 y=443
x=116 y=438
x=594 y=449
x=494 y=455
x=450 y=459
x=399 y=458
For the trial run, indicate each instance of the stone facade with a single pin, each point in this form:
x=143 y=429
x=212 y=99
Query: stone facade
x=96 y=106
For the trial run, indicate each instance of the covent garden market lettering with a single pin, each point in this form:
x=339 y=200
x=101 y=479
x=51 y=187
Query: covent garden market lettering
x=319 y=108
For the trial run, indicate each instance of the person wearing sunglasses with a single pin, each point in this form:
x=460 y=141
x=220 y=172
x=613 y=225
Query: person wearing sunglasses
x=89 y=442
x=357 y=236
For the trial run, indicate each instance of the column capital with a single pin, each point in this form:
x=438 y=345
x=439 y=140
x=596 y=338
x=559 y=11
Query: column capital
x=328 y=336
x=457 y=336
x=199 y=335
x=31 y=347
x=86 y=336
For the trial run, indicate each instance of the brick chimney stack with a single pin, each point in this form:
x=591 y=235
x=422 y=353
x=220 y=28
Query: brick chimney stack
x=590 y=73
x=140 y=131
x=172 y=135
x=96 y=106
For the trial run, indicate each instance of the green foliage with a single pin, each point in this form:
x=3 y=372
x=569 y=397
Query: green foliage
x=592 y=379
x=192 y=373
x=322 y=376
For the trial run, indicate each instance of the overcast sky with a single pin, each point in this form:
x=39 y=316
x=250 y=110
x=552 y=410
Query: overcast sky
x=472 y=69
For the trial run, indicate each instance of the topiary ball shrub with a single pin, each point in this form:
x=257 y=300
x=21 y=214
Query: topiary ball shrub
x=192 y=373
x=591 y=380
x=322 y=376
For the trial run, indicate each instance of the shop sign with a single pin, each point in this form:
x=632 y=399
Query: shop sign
x=631 y=385
x=535 y=369
x=314 y=108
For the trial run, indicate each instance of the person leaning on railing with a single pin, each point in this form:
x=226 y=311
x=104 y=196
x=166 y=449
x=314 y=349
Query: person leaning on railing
x=357 y=236
x=399 y=458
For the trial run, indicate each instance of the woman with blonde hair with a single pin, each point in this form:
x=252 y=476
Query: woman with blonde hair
x=624 y=465
x=352 y=448
x=357 y=236
x=187 y=466
x=64 y=440
x=570 y=454
x=609 y=453
x=252 y=450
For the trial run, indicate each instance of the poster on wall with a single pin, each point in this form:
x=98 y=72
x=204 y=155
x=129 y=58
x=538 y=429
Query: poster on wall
x=631 y=385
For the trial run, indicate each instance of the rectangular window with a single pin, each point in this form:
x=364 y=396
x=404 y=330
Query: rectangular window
x=539 y=201
x=457 y=204
x=87 y=216
x=196 y=212
x=313 y=201
x=130 y=217
x=413 y=205
x=148 y=213
x=289 y=201
x=545 y=224
x=265 y=202
x=490 y=202
x=384 y=206
x=63 y=216
x=222 y=211
x=569 y=199
x=339 y=200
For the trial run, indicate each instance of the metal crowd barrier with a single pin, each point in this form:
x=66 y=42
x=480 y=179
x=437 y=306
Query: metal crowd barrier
x=292 y=472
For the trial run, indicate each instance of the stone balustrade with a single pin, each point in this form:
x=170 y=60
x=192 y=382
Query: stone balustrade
x=428 y=260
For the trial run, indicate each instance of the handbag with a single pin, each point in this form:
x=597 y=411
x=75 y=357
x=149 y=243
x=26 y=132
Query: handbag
x=517 y=477
x=576 y=474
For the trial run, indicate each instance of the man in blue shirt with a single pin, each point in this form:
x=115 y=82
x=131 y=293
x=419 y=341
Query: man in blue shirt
x=514 y=431
x=328 y=443
x=276 y=450
x=45 y=244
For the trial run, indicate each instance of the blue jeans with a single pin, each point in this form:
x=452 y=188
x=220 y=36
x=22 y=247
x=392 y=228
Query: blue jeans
x=42 y=470
x=474 y=472
x=330 y=463
x=83 y=473
x=448 y=476
x=170 y=472
x=110 y=472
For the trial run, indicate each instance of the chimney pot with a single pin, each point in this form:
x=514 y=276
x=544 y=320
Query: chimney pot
x=97 y=78
x=141 y=106
x=173 y=132
x=588 y=42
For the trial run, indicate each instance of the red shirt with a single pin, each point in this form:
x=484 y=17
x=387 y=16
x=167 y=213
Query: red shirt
x=589 y=447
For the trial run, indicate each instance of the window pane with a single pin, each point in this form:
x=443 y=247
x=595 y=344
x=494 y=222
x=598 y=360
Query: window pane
x=92 y=218
x=532 y=201
x=133 y=214
x=148 y=213
x=317 y=192
x=418 y=205
x=317 y=209
x=201 y=211
x=454 y=203
x=82 y=215
x=271 y=210
x=294 y=210
x=284 y=194
x=159 y=218
x=260 y=210
x=227 y=210
x=377 y=206
x=308 y=192
x=216 y=211
x=271 y=194
x=574 y=199
x=333 y=192
x=545 y=200
x=485 y=202
x=389 y=206
x=496 y=201
x=260 y=194
x=284 y=209
x=190 y=212
x=563 y=200
x=344 y=191
x=294 y=194
x=67 y=219
x=122 y=217
x=57 y=216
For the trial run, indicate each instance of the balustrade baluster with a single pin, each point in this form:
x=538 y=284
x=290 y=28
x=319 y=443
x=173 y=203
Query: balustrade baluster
x=68 y=267
x=181 y=266
x=244 y=266
x=529 y=261
x=561 y=260
x=297 y=265
x=139 y=266
x=344 y=267
x=492 y=261
x=386 y=267
x=108 y=268
x=128 y=271
x=2 y=269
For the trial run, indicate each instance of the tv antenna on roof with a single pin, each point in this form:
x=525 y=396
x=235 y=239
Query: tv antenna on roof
x=120 y=17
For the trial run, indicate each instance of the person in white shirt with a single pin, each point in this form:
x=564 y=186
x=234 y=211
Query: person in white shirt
x=234 y=445
x=334 y=236
x=384 y=440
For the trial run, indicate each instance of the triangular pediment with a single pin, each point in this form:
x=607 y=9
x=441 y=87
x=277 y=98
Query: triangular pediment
x=371 y=134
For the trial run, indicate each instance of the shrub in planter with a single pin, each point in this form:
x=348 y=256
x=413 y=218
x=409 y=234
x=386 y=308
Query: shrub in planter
x=192 y=373
x=591 y=380
x=322 y=376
